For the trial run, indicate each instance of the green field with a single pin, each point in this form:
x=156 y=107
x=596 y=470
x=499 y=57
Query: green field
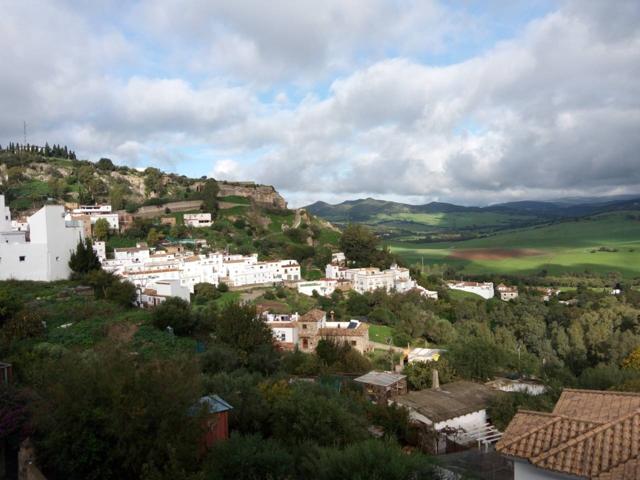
x=446 y=220
x=573 y=246
x=380 y=333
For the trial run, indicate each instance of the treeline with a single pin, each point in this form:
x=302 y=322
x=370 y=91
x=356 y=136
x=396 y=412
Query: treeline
x=55 y=151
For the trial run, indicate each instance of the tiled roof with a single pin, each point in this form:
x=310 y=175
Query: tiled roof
x=590 y=434
x=314 y=315
x=360 y=331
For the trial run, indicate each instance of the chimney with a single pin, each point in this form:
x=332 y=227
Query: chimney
x=435 y=380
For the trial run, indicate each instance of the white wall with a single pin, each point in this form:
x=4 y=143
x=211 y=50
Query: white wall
x=46 y=256
x=525 y=471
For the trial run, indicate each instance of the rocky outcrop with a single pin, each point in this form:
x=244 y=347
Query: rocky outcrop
x=264 y=195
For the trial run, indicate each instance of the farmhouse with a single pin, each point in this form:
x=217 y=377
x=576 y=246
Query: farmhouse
x=485 y=290
x=507 y=293
x=590 y=434
x=197 y=220
x=424 y=355
x=305 y=331
x=43 y=251
x=457 y=412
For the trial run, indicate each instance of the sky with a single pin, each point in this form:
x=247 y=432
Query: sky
x=471 y=102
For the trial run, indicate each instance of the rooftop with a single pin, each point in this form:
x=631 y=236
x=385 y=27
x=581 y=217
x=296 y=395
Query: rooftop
x=314 y=315
x=452 y=400
x=382 y=379
x=590 y=433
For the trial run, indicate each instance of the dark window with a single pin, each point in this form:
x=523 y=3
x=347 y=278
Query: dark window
x=22 y=258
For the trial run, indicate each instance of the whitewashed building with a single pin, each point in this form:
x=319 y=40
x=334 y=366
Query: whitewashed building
x=43 y=251
x=197 y=220
x=101 y=250
x=140 y=266
x=324 y=286
x=157 y=292
x=95 y=213
x=483 y=289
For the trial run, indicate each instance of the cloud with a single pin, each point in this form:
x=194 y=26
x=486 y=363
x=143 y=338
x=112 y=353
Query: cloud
x=336 y=99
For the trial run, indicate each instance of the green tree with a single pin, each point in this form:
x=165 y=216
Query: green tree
x=153 y=237
x=176 y=313
x=84 y=259
x=105 y=164
x=153 y=182
x=359 y=244
x=209 y=196
x=420 y=374
x=104 y=416
x=101 y=229
x=10 y=303
x=239 y=327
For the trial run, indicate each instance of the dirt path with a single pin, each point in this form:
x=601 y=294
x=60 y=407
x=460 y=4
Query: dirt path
x=384 y=346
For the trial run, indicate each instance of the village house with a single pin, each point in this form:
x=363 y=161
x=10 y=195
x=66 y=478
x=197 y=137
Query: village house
x=94 y=213
x=157 y=292
x=507 y=293
x=324 y=287
x=457 y=412
x=548 y=293
x=484 y=289
x=141 y=266
x=382 y=387
x=305 y=331
x=397 y=279
x=590 y=434
x=43 y=251
x=197 y=220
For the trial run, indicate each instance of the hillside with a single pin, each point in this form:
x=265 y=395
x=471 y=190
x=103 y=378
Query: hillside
x=249 y=217
x=438 y=221
x=603 y=243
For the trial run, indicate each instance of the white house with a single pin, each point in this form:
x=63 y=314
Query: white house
x=140 y=266
x=457 y=411
x=157 y=292
x=284 y=328
x=197 y=220
x=507 y=293
x=324 y=287
x=44 y=251
x=95 y=213
x=485 y=289
x=101 y=250
x=369 y=279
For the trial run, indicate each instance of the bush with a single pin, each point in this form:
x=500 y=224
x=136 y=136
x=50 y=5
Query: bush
x=174 y=312
x=223 y=287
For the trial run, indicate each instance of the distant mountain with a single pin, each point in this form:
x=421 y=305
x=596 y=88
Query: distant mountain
x=369 y=209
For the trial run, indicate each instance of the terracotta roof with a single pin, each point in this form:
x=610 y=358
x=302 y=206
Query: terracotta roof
x=589 y=434
x=314 y=315
x=360 y=331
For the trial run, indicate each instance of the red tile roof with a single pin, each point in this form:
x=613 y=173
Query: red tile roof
x=589 y=434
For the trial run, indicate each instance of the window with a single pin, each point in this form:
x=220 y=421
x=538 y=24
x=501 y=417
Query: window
x=22 y=258
x=304 y=326
x=305 y=343
x=353 y=343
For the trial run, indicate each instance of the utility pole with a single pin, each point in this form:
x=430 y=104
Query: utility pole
x=24 y=131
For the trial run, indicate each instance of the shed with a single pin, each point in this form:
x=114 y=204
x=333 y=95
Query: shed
x=383 y=386
x=458 y=410
x=216 y=422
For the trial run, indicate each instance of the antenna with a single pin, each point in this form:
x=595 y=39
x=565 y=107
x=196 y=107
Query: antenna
x=24 y=129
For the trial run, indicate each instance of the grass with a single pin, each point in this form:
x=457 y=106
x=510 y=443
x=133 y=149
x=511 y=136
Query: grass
x=235 y=199
x=380 y=333
x=563 y=247
x=452 y=220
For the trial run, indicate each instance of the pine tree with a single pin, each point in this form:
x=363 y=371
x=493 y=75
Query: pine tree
x=84 y=259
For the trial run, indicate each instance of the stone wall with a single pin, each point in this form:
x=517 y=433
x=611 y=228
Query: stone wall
x=264 y=195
